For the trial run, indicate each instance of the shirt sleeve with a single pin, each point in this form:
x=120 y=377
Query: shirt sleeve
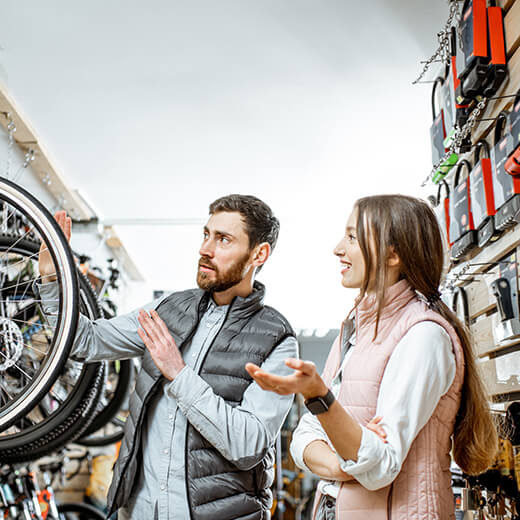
x=100 y=339
x=308 y=430
x=241 y=434
x=419 y=372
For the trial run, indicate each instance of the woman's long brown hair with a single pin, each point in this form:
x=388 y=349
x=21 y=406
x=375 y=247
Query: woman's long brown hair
x=409 y=227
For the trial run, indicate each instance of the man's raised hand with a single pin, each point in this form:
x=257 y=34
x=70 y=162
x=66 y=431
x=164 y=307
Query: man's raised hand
x=45 y=262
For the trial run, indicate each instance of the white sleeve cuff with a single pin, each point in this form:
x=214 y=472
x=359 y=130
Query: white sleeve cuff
x=372 y=452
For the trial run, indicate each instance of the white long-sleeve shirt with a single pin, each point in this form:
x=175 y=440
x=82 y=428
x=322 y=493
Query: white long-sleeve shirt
x=419 y=372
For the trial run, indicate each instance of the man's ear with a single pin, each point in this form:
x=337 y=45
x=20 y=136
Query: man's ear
x=261 y=253
x=392 y=259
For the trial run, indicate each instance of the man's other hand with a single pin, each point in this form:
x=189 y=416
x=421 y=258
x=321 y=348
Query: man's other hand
x=160 y=343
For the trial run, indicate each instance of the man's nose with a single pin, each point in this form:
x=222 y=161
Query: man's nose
x=206 y=249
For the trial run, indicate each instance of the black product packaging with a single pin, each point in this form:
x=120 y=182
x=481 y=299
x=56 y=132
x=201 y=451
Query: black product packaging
x=514 y=119
x=438 y=129
x=505 y=187
x=462 y=227
x=442 y=211
x=472 y=54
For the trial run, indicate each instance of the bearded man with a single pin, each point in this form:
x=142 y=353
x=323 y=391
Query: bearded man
x=199 y=440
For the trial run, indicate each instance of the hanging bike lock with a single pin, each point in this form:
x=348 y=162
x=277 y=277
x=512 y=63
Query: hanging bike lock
x=437 y=137
x=462 y=228
x=441 y=208
x=506 y=187
x=482 y=197
x=497 y=68
x=472 y=52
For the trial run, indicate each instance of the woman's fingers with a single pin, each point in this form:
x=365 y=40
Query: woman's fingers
x=307 y=367
x=375 y=427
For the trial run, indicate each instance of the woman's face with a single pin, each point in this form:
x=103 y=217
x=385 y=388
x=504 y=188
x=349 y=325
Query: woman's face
x=350 y=256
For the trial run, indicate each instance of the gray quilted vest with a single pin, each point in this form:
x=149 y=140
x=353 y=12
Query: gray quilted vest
x=217 y=489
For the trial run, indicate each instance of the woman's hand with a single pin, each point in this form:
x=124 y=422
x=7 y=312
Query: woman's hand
x=321 y=459
x=304 y=380
x=374 y=426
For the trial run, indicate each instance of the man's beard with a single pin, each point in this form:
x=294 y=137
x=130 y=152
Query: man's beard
x=221 y=280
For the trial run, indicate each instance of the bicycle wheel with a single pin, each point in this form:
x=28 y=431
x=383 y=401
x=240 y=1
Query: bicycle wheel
x=44 y=352
x=69 y=406
x=104 y=429
x=80 y=511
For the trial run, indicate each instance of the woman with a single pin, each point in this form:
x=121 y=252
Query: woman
x=404 y=357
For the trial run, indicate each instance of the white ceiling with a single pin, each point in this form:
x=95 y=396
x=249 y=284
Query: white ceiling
x=154 y=109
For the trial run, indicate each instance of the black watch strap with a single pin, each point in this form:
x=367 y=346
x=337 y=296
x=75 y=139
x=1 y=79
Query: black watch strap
x=317 y=405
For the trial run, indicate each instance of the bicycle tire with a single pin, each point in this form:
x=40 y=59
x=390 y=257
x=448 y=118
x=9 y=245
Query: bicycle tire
x=75 y=414
x=108 y=413
x=42 y=221
x=93 y=513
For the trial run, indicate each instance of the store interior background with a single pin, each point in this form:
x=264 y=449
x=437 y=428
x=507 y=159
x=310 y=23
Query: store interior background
x=152 y=110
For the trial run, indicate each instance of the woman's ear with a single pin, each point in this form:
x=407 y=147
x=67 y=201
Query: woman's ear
x=393 y=259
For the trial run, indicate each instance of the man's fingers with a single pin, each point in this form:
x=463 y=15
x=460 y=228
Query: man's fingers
x=148 y=325
x=160 y=323
x=146 y=340
x=68 y=227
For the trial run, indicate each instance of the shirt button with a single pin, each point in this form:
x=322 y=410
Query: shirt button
x=162 y=487
x=165 y=452
x=208 y=325
x=170 y=416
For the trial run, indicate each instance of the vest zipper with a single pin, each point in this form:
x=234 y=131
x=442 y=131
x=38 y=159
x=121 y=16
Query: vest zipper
x=131 y=452
x=189 y=426
x=147 y=398
x=389 y=502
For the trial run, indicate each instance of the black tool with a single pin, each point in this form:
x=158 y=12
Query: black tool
x=502 y=292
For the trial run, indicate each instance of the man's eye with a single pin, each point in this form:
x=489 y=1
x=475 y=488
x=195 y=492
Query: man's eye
x=225 y=240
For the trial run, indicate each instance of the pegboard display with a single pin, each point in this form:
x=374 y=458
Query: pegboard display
x=482 y=278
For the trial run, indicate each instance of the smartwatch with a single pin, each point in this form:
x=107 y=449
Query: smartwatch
x=317 y=405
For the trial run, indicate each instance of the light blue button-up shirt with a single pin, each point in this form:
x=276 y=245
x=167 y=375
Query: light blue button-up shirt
x=236 y=432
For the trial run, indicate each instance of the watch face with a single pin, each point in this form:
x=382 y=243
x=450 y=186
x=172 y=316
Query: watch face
x=317 y=406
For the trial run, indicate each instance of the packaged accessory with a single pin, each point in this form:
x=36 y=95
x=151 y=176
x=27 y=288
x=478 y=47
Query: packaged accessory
x=482 y=198
x=441 y=208
x=438 y=134
x=472 y=51
x=462 y=227
x=506 y=188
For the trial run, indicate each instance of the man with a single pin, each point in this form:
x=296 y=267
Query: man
x=199 y=440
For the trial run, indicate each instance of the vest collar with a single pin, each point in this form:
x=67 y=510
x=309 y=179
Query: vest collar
x=247 y=305
x=395 y=298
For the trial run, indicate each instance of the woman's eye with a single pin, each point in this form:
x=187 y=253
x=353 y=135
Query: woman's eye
x=351 y=237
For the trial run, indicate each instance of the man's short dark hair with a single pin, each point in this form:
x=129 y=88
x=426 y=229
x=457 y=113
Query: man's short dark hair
x=261 y=224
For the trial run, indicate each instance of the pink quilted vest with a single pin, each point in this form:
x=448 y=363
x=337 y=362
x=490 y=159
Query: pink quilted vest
x=422 y=490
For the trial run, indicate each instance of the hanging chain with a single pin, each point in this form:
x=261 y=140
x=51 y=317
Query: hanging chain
x=444 y=37
x=11 y=129
x=459 y=137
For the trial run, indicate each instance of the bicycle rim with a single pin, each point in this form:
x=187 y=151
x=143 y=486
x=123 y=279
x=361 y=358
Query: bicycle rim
x=44 y=227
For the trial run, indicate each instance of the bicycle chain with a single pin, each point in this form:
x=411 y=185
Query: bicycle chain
x=459 y=137
x=444 y=38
